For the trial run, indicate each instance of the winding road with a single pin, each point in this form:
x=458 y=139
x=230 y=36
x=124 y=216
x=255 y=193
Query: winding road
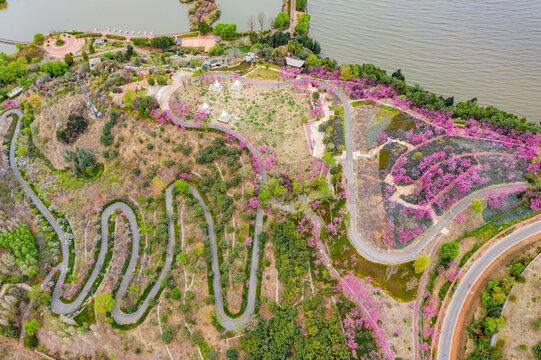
x=69 y=308
x=364 y=248
x=446 y=347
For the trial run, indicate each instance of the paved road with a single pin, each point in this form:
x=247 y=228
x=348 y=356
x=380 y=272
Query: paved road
x=450 y=320
x=362 y=246
x=57 y=305
x=227 y=322
x=117 y=314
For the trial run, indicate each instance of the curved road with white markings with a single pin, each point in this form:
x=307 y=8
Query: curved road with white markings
x=450 y=321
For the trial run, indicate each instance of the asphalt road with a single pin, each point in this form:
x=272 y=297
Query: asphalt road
x=362 y=246
x=450 y=321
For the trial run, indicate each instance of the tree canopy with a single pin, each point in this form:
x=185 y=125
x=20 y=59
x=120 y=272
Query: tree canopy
x=54 y=68
x=302 y=24
x=421 y=263
x=449 y=251
x=292 y=256
x=281 y=19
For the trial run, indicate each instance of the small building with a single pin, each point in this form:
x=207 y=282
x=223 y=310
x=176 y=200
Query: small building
x=206 y=108
x=224 y=117
x=100 y=41
x=237 y=85
x=294 y=62
x=15 y=92
x=217 y=86
x=93 y=63
x=179 y=41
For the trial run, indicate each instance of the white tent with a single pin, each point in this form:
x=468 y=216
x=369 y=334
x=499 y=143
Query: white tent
x=206 y=108
x=237 y=85
x=224 y=117
x=217 y=86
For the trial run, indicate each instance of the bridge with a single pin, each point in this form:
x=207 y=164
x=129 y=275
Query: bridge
x=13 y=42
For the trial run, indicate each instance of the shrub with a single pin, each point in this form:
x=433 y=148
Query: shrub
x=115 y=37
x=421 y=264
x=54 y=68
x=75 y=126
x=204 y=28
x=281 y=19
x=232 y=354
x=106 y=137
x=60 y=42
x=162 y=42
x=216 y=50
x=537 y=351
x=449 y=251
x=189 y=295
x=83 y=161
x=167 y=336
x=142 y=41
x=38 y=38
x=197 y=337
x=302 y=24
x=176 y=294
x=225 y=30
x=536 y=324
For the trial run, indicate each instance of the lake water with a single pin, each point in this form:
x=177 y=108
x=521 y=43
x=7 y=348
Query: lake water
x=490 y=49
x=21 y=19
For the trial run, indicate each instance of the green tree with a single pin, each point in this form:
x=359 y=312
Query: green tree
x=346 y=73
x=421 y=263
x=162 y=42
x=197 y=337
x=281 y=19
x=302 y=24
x=91 y=48
x=167 y=336
x=31 y=326
x=104 y=303
x=176 y=294
x=232 y=354
x=54 y=68
x=38 y=38
x=449 y=251
x=129 y=52
x=301 y=5
x=181 y=187
x=204 y=28
x=68 y=59
x=491 y=325
x=225 y=30
x=129 y=98
x=216 y=50
x=39 y=296
x=84 y=55
x=19 y=46
x=477 y=206
x=312 y=60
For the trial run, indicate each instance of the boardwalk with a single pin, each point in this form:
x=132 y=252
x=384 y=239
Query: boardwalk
x=13 y=42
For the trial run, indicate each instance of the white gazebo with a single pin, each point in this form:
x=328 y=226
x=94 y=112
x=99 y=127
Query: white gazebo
x=206 y=108
x=237 y=85
x=224 y=117
x=217 y=86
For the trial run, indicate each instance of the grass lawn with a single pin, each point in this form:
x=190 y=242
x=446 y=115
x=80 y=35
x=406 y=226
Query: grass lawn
x=265 y=74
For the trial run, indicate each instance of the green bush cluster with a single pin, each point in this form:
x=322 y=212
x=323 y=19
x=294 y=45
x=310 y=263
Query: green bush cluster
x=22 y=242
x=75 y=126
x=106 y=137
